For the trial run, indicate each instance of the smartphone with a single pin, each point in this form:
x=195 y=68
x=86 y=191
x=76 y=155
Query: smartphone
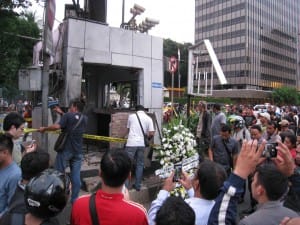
x=177 y=172
x=270 y=150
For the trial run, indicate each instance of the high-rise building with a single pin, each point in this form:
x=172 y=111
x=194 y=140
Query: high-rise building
x=256 y=42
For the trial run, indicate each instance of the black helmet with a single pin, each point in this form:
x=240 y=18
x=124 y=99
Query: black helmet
x=47 y=194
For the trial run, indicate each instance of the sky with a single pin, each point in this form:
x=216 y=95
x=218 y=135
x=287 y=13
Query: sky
x=176 y=17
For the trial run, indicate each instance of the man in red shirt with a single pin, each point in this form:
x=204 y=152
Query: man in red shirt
x=111 y=207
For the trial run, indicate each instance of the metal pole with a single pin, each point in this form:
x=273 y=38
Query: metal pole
x=123 y=12
x=45 y=80
x=179 y=77
x=172 y=93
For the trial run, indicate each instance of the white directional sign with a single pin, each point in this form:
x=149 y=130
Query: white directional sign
x=187 y=164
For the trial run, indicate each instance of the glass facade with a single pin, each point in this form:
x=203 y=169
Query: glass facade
x=256 y=41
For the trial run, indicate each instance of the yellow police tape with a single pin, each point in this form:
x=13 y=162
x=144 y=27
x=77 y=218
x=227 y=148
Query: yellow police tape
x=87 y=136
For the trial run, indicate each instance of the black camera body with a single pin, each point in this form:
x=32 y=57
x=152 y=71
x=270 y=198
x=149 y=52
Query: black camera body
x=270 y=150
x=177 y=172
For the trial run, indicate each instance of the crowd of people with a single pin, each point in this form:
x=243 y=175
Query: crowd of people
x=238 y=149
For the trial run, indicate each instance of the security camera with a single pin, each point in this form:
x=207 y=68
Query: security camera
x=139 y=8
x=151 y=21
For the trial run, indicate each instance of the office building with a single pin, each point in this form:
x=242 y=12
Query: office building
x=256 y=42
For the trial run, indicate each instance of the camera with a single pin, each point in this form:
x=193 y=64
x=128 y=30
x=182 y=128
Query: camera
x=270 y=150
x=177 y=173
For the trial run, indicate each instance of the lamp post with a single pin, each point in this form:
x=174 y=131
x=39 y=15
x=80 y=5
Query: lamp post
x=179 y=76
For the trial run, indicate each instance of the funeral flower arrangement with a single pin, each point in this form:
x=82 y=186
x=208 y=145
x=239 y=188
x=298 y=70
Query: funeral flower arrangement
x=178 y=143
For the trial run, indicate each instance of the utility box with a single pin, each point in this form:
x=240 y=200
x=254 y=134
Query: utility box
x=30 y=79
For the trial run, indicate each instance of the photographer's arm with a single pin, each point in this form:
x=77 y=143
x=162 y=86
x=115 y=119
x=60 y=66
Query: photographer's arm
x=161 y=197
x=286 y=164
x=225 y=208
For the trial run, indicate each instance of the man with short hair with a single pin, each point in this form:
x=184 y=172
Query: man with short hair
x=203 y=132
x=71 y=155
x=271 y=133
x=268 y=187
x=10 y=173
x=202 y=190
x=32 y=164
x=175 y=211
x=13 y=124
x=224 y=149
x=135 y=145
x=111 y=207
x=218 y=120
x=270 y=210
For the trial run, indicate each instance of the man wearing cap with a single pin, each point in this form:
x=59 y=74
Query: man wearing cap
x=264 y=118
x=284 y=126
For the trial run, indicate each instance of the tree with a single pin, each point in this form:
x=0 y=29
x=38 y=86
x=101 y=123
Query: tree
x=286 y=96
x=15 y=51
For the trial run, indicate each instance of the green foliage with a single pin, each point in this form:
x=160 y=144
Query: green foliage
x=286 y=96
x=15 y=52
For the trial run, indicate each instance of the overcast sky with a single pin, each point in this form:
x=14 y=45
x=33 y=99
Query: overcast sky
x=176 y=17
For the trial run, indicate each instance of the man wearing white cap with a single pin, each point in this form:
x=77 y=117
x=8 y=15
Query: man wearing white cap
x=284 y=126
x=264 y=118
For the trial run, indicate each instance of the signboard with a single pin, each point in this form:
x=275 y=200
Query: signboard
x=156 y=85
x=187 y=164
x=173 y=64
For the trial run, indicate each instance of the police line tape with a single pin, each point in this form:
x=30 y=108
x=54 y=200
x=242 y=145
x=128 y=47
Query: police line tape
x=86 y=136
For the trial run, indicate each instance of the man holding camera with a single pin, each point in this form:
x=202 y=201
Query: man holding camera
x=202 y=190
x=270 y=183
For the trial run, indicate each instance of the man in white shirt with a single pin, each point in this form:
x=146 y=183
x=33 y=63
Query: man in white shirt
x=202 y=190
x=135 y=145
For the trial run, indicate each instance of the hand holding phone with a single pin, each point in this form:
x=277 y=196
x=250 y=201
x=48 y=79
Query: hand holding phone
x=177 y=172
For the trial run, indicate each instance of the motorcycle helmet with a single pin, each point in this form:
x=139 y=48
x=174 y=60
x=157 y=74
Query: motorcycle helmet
x=47 y=194
x=236 y=121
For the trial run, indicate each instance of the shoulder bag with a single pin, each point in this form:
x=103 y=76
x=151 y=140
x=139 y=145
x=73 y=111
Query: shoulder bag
x=93 y=211
x=146 y=140
x=63 y=136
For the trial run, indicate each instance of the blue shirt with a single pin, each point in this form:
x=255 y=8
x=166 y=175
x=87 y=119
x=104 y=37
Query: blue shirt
x=220 y=153
x=67 y=123
x=10 y=176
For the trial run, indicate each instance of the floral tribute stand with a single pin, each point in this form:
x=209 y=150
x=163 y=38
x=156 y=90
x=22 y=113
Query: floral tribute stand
x=177 y=148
